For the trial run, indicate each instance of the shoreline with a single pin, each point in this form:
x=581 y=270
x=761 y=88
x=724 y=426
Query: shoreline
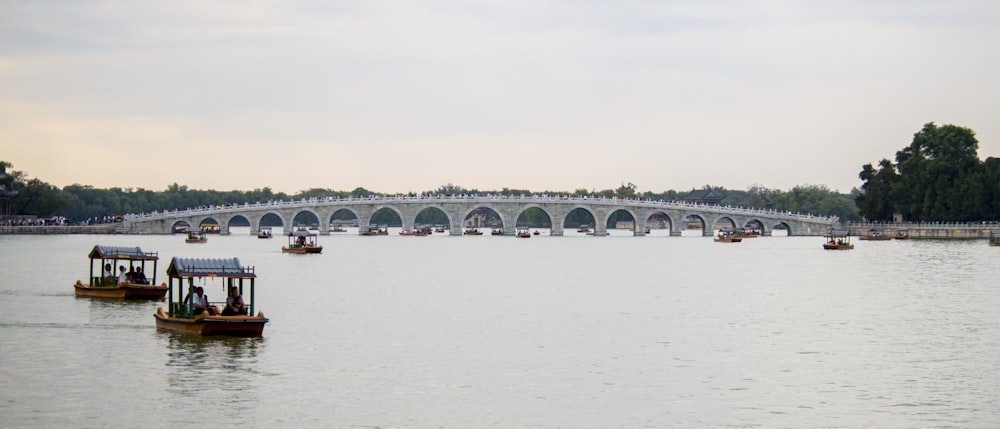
x=65 y=229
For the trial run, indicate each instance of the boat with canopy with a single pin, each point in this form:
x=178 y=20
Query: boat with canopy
x=837 y=239
x=302 y=241
x=105 y=284
x=222 y=274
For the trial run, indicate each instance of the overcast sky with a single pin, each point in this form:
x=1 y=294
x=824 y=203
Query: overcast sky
x=399 y=96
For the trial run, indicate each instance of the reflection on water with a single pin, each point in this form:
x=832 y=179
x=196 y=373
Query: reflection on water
x=216 y=372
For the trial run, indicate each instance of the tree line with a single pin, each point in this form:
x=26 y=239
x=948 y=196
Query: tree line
x=76 y=202
x=937 y=177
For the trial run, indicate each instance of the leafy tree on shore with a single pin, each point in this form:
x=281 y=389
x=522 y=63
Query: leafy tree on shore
x=31 y=196
x=938 y=177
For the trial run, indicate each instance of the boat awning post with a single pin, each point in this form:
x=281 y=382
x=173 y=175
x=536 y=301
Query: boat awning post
x=170 y=297
x=251 y=313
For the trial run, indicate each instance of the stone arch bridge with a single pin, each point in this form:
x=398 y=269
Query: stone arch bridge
x=673 y=215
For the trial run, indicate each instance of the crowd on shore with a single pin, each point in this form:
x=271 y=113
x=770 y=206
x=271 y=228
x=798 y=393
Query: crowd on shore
x=57 y=221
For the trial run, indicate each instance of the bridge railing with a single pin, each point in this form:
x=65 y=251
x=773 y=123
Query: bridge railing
x=925 y=225
x=616 y=201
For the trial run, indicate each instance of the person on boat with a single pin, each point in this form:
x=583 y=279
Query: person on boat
x=130 y=276
x=140 y=277
x=200 y=303
x=122 y=275
x=234 y=303
x=109 y=274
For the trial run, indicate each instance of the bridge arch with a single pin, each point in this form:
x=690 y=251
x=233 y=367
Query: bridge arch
x=499 y=214
x=339 y=214
x=366 y=220
x=305 y=215
x=782 y=226
x=593 y=217
x=229 y=222
x=659 y=220
x=434 y=208
x=268 y=218
x=523 y=210
x=180 y=224
x=210 y=224
x=699 y=218
x=635 y=220
x=754 y=224
x=722 y=222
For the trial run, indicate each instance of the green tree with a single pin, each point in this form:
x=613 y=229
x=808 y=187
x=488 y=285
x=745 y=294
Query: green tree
x=933 y=170
x=626 y=191
x=874 y=201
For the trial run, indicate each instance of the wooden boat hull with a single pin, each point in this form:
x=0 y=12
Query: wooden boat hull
x=869 y=238
x=127 y=291
x=995 y=243
x=203 y=325
x=194 y=240
x=728 y=240
x=829 y=246
x=302 y=250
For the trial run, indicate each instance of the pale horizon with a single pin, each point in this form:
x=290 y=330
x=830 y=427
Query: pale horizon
x=403 y=97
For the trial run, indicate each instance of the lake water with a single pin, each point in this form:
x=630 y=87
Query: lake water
x=547 y=332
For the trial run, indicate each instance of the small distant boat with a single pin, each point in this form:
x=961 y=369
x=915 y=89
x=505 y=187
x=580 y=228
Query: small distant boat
x=523 y=233
x=264 y=233
x=875 y=235
x=583 y=228
x=496 y=231
x=472 y=231
x=373 y=230
x=439 y=230
x=994 y=237
x=179 y=316
x=729 y=235
x=536 y=232
x=301 y=241
x=902 y=234
x=107 y=286
x=337 y=229
x=210 y=228
x=837 y=239
x=196 y=237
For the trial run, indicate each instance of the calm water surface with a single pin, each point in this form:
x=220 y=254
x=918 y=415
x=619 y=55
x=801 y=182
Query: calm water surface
x=548 y=332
